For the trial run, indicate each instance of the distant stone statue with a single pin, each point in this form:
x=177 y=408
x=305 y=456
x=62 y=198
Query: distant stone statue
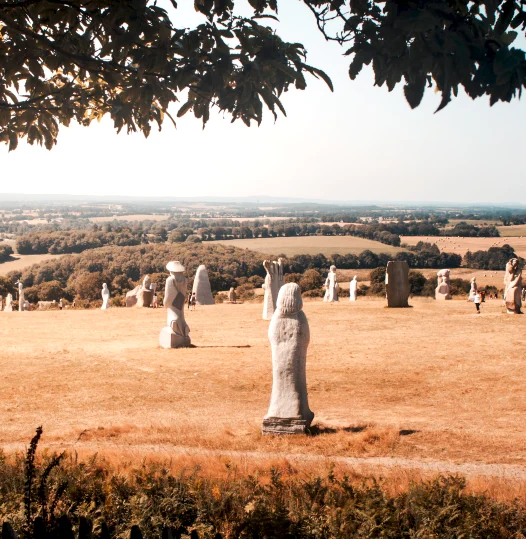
x=397 y=284
x=442 y=291
x=289 y=336
x=353 y=289
x=202 y=288
x=176 y=334
x=21 y=297
x=8 y=303
x=105 y=297
x=141 y=295
x=331 y=286
x=273 y=282
x=473 y=290
x=232 y=295
x=513 y=287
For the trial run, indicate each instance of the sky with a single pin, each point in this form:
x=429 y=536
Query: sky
x=356 y=144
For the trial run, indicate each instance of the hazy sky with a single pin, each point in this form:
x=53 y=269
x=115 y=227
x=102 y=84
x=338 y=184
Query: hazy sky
x=360 y=143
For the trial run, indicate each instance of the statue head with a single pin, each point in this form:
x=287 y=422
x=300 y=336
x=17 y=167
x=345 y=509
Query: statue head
x=174 y=267
x=333 y=268
x=289 y=299
x=146 y=282
x=104 y=286
x=513 y=265
x=355 y=278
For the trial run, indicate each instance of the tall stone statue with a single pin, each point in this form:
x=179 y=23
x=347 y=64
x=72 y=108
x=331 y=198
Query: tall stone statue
x=8 y=303
x=353 y=289
x=442 y=291
x=397 y=284
x=105 y=297
x=513 y=287
x=21 y=297
x=289 y=336
x=176 y=334
x=202 y=288
x=232 y=295
x=473 y=290
x=331 y=286
x=273 y=282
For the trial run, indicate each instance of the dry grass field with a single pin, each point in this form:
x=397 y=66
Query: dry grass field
x=434 y=382
x=452 y=244
x=21 y=262
x=311 y=245
x=131 y=218
x=512 y=230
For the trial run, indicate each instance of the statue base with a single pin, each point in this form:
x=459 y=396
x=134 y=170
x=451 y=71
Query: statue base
x=169 y=339
x=284 y=425
x=442 y=297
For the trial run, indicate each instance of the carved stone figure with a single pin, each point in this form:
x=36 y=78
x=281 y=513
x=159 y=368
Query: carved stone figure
x=273 y=282
x=442 y=291
x=397 y=284
x=21 y=297
x=473 y=290
x=141 y=295
x=513 y=287
x=176 y=334
x=232 y=295
x=201 y=287
x=105 y=297
x=9 y=303
x=353 y=289
x=289 y=336
x=331 y=286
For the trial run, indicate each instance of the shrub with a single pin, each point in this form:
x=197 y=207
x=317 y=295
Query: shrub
x=311 y=280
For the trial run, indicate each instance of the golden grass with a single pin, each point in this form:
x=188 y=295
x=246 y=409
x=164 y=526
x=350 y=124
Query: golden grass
x=312 y=245
x=460 y=246
x=131 y=218
x=434 y=381
x=512 y=230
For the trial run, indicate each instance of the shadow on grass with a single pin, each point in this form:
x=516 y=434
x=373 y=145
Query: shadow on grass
x=221 y=346
x=318 y=430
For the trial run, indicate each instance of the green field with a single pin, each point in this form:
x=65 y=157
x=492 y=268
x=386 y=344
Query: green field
x=312 y=245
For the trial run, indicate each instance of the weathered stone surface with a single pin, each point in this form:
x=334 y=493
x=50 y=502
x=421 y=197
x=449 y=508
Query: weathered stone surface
x=473 y=290
x=169 y=339
x=289 y=337
x=201 y=287
x=21 y=297
x=1 y=303
x=513 y=287
x=9 y=303
x=144 y=298
x=353 y=289
x=142 y=294
x=273 y=283
x=331 y=286
x=278 y=425
x=397 y=284
x=442 y=291
x=105 y=297
x=177 y=332
x=232 y=297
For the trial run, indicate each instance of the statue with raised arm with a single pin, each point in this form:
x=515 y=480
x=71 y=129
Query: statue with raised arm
x=21 y=297
x=177 y=333
x=273 y=282
x=513 y=287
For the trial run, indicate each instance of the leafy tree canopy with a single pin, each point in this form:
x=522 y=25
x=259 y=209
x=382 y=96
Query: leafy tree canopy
x=64 y=60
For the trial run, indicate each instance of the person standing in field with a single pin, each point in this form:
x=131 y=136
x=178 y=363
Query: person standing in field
x=193 y=301
x=476 y=301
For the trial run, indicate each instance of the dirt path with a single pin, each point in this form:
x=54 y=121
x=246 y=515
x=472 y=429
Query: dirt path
x=370 y=464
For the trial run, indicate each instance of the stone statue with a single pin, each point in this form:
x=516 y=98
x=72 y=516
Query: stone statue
x=9 y=303
x=201 y=287
x=289 y=337
x=21 y=297
x=232 y=295
x=397 y=284
x=353 y=289
x=273 y=282
x=442 y=291
x=145 y=293
x=513 y=287
x=331 y=286
x=105 y=297
x=473 y=290
x=177 y=333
